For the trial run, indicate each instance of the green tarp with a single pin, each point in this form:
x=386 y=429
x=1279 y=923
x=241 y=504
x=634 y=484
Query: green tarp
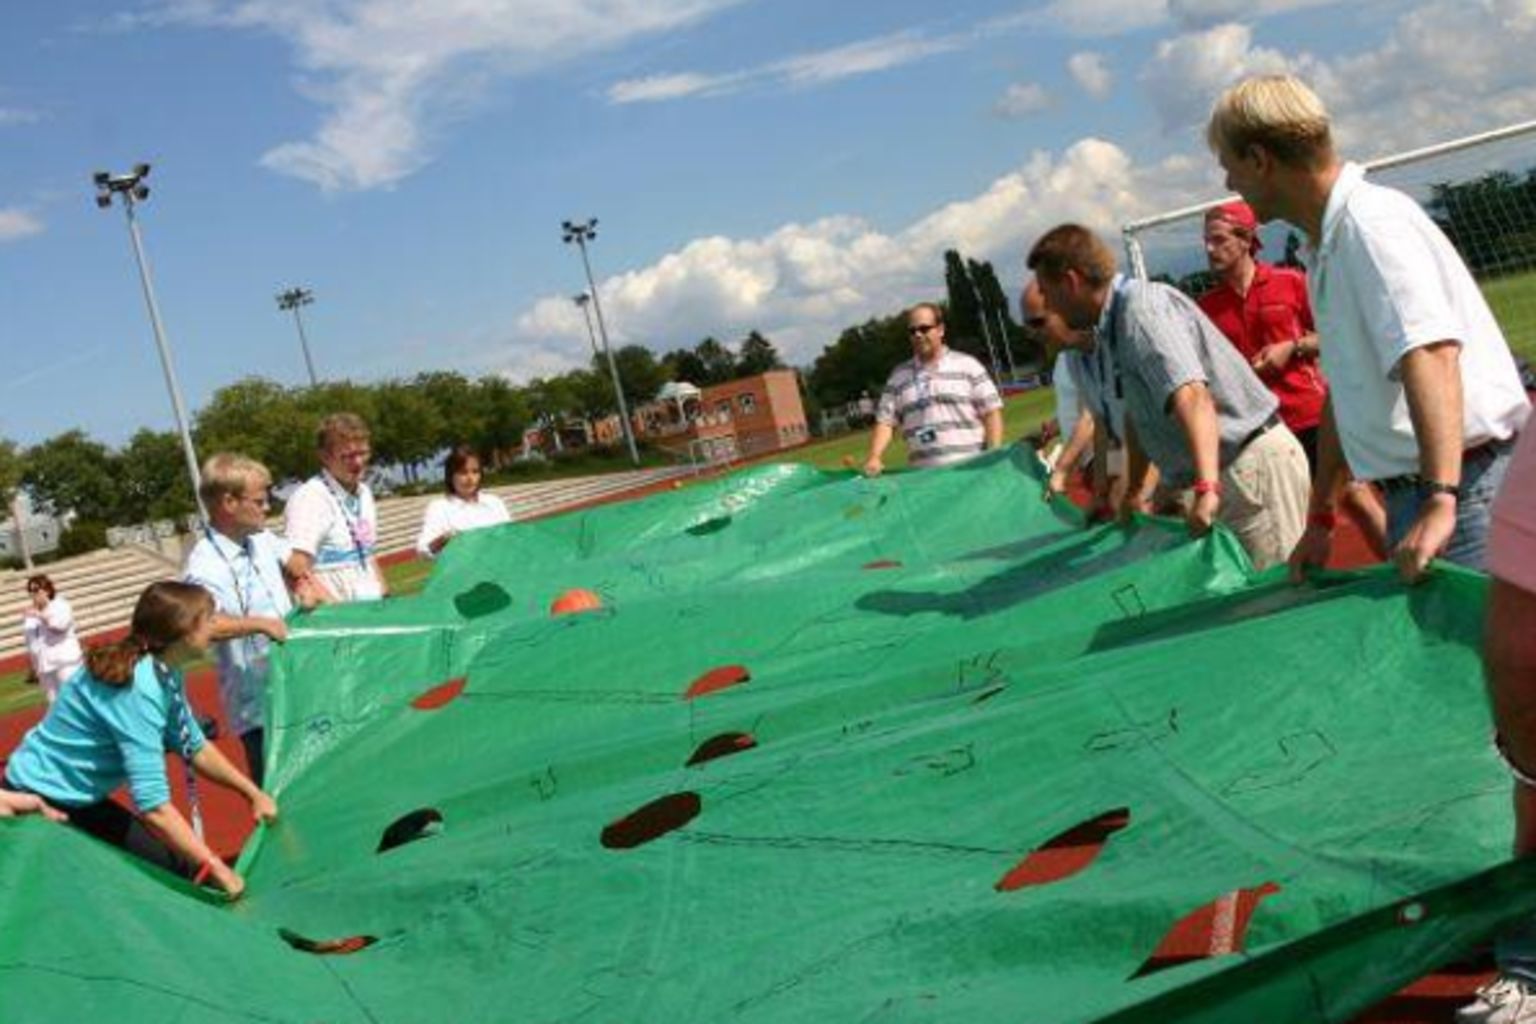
x=831 y=749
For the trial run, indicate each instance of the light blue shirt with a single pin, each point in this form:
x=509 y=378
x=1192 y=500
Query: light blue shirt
x=96 y=737
x=244 y=579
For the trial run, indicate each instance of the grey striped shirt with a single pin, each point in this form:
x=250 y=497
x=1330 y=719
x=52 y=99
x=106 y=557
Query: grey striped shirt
x=939 y=408
x=1162 y=341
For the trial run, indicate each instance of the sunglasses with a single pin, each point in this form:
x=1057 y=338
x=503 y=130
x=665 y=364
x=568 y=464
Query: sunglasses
x=917 y=329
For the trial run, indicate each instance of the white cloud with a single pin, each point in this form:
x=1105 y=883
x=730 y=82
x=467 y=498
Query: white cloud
x=1447 y=68
x=1187 y=72
x=803 y=283
x=819 y=67
x=1091 y=73
x=16 y=224
x=387 y=71
x=654 y=88
x=1022 y=99
x=1116 y=17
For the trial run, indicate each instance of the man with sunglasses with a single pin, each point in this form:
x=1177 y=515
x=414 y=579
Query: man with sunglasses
x=249 y=571
x=946 y=405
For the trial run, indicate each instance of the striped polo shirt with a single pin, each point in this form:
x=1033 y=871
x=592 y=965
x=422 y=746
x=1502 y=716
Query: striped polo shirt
x=939 y=408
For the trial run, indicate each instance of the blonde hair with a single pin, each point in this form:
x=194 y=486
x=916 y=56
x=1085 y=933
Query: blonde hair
x=231 y=474
x=339 y=427
x=1276 y=112
x=1072 y=247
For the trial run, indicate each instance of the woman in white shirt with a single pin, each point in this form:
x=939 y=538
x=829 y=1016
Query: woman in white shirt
x=463 y=508
x=49 y=624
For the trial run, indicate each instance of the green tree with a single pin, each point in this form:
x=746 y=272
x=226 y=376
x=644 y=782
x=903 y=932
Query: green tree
x=453 y=398
x=642 y=375
x=685 y=365
x=999 y=313
x=718 y=361
x=262 y=420
x=73 y=473
x=758 y=355
x=407 y=427
x=859 y=361
x=963 y=330
x=502 y=416
x=152 y=478
x=11 y=466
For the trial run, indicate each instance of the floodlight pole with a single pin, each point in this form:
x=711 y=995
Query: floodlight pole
x=130 y=188
x=583 y=301
x=581 y=234
x=292 y=299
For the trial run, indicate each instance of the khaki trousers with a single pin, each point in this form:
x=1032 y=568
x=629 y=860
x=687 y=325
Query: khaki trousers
x=1264 y=496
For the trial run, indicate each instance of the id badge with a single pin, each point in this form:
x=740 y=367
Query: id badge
x=927 y=435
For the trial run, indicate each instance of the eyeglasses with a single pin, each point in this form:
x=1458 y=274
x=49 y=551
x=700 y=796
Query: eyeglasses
x=263 y=500
x=915 y=329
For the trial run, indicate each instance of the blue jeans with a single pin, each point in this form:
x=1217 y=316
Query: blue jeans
x=1481 y=475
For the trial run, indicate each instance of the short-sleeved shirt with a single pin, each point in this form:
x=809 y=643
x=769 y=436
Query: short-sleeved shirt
x=1384 y=281
x=453 y=515
x=1276 y=309
x=1162 y=342
x=939 y=408
x=339 y=530
x=96 y=736
x=245 y=579
x=1512 y=537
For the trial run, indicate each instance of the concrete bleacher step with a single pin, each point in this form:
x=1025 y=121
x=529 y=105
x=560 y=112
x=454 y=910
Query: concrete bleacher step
x=102 y=585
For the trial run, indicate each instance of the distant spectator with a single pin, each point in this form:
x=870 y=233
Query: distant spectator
x=1193 y=405
x=248 y=570
x=48 y=624
x=463 y=507
x=115 y=723
x=1434 y=401
x=331 y=519
x=945 y=403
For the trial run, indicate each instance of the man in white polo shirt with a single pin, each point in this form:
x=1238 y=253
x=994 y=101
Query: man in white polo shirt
x=946 y=405
x=331 y=521
x=1426 y=400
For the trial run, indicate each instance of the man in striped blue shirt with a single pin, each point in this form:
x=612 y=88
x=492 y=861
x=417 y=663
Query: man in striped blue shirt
x=946 y=405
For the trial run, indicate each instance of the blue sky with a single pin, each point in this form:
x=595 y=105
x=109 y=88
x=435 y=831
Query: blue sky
x=774 y=164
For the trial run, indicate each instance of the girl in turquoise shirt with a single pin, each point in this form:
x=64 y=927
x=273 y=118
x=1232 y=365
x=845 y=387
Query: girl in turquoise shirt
x=113 y=723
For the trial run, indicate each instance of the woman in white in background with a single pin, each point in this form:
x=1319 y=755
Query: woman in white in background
x=463 y=508
x=49 y=625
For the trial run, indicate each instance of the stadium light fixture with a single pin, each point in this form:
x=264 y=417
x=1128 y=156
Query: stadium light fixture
x=581 y=233
x=131 y=190
x=293 y=299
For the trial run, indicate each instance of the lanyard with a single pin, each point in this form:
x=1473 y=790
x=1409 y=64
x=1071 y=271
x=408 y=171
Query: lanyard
x=243 y=594
x=354 y=522
x=169 y=679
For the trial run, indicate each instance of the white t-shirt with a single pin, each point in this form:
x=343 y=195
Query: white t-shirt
x=1384 y=281
x=340 y=532
x=452 y=514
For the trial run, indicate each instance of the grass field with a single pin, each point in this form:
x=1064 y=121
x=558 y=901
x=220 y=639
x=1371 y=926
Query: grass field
x=1513 y=300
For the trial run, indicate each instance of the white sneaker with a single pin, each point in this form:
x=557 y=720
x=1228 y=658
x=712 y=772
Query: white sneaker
x=1503 y=1000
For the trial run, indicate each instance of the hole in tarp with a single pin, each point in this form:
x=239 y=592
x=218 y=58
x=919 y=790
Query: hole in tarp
x=883 y=563
x=482 y=599
x=1411 y=913
x=419 y=824
x=718 y=678
x=1064 y=855
x=1218 y=928
x=442 y=693
x=709 y=526
x=326 y=947
x=652 y=821
x=723 y=745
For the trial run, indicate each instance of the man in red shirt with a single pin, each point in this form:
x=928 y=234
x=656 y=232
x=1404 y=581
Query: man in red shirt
x=1264 y=311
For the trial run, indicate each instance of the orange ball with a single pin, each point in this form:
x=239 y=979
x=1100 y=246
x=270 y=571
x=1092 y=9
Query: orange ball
x=574 y=601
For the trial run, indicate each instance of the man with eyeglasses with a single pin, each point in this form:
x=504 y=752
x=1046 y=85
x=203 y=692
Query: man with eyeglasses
x=944 y=401
x=249 y=571
x=331 y=519
x=1193 y=405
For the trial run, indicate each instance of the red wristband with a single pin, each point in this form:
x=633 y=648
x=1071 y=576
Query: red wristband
x=1323 y=520
x=1208 y=487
